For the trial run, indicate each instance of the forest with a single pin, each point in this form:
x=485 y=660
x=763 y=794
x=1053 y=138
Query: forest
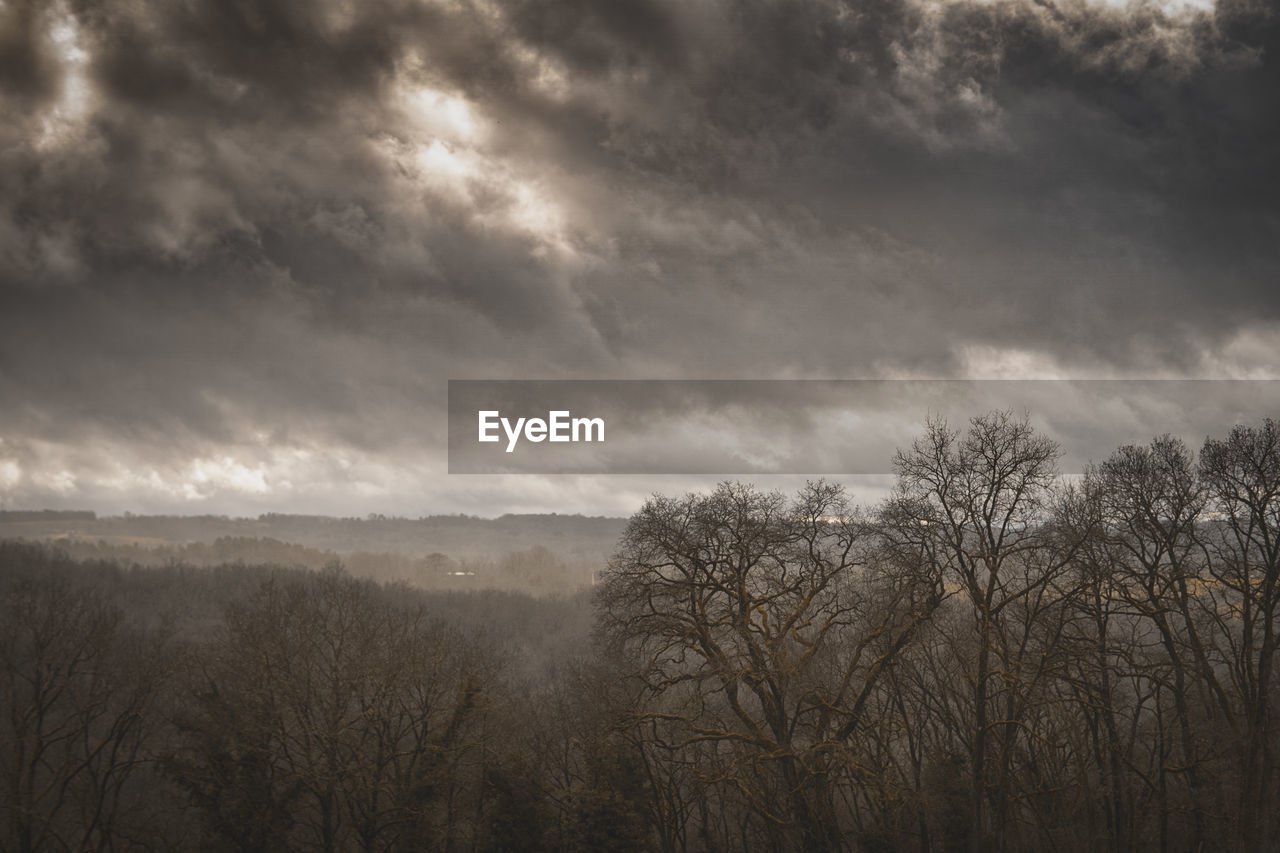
x=999 y=656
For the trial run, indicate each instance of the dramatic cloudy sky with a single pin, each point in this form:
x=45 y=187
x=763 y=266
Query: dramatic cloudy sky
x=244 y=245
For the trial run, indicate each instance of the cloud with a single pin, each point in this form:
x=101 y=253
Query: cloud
x=229 y=229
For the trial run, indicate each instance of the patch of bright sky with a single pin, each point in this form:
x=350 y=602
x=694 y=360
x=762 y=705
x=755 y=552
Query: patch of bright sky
x=982 y=361
x=544 y=75
x=242 y=476
x=1249 y=354
x=446 y=116
x=448 y=153
x=10 y=473
x=1172 y=8
x=58 y=482
x=224 y=473
x=67 y=115
x=1169 y=7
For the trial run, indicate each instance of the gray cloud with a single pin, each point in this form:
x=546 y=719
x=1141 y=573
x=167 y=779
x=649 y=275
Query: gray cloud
x=269 y=232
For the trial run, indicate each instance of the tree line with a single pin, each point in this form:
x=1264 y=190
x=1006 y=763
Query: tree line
x=996 y=657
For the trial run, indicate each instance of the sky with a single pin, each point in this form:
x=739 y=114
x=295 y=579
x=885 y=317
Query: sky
x=245 y=245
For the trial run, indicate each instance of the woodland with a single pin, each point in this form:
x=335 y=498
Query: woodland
x=998 y=656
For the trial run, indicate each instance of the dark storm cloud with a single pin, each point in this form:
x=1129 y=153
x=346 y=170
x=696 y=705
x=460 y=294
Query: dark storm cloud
x=233 y=226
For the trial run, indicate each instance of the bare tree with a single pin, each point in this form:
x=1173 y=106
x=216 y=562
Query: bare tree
x=1241 y=476
x=350 y=721
x=980 y=505
x=760 y=629
x=1152 y=503
x=77 y=689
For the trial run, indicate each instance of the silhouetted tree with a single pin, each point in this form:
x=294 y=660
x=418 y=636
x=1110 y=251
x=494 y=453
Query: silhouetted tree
x=760 y=627
x=77 y=693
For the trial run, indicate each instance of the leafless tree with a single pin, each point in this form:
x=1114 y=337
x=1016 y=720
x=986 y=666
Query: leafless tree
x=980 y=503
x=761 y=627
x=1241 y=478
x=77 y=692
x=350 y=722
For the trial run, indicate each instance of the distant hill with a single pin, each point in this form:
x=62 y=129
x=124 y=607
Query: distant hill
x=511 y=552
x=16 y=515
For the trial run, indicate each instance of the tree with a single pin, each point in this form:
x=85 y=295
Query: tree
x=1241 y=477
x=1152 y=501
x=331 y=719
x=77 y=690
x=978 y=506
x=760 y=628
